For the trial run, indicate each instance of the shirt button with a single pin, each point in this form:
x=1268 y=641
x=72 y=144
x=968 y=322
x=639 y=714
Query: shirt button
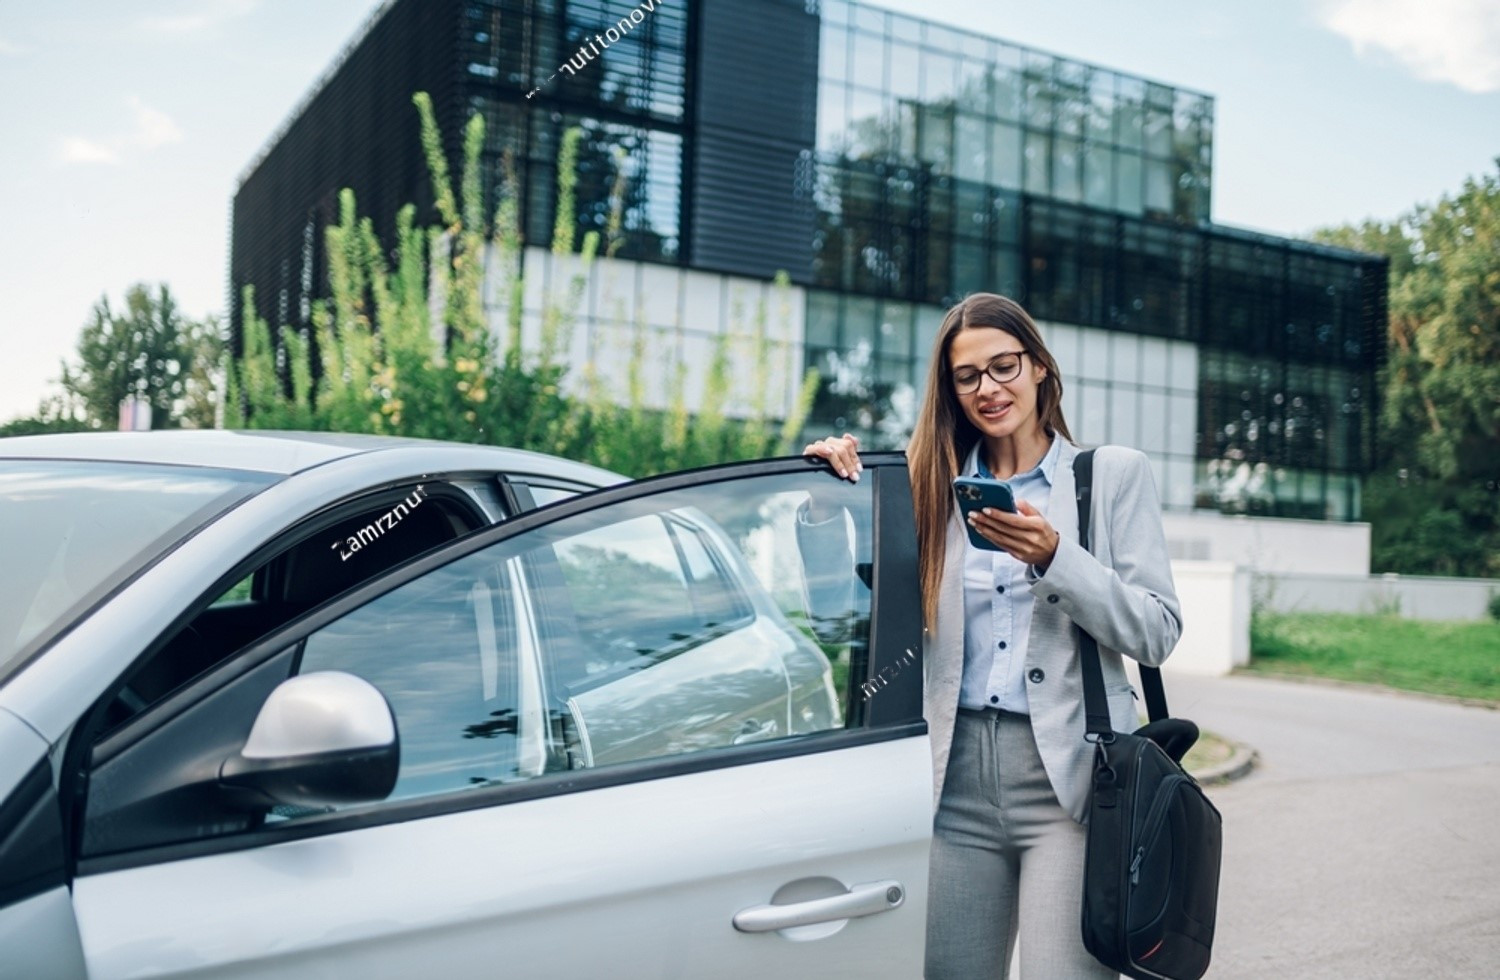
x=1037 y=675
x=1052 y=598
x=1002 y=644
x=994 y=699
x=1000 y=589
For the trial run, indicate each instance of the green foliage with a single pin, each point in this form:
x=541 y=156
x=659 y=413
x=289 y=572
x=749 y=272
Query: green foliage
x=148 y=349
x=1453 y=658
x=1434 y=503
x=1493 y=607
x=385 y=367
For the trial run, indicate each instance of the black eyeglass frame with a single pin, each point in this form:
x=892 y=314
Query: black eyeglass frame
x=962 y=389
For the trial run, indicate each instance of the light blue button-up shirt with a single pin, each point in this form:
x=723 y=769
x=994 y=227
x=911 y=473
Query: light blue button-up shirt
x=998 y=602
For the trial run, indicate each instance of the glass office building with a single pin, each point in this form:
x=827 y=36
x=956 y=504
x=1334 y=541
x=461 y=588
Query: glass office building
x=889 y=166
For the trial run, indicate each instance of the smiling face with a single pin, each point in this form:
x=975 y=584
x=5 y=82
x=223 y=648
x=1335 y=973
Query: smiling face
x=996 y=409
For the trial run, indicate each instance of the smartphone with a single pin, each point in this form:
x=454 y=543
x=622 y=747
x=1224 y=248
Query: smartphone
x=976 y=493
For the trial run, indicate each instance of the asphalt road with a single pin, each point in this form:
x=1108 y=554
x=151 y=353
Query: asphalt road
x=1364 y=844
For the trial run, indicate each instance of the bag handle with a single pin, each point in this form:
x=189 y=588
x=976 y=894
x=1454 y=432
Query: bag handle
x=1095 y=704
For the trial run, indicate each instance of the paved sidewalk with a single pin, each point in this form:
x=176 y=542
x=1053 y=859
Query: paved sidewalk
x=1362 y=845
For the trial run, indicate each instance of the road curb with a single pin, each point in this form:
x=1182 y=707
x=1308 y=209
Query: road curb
x=1239 y=765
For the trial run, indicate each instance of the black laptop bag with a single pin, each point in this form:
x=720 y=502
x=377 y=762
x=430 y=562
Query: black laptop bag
x=1151 y=876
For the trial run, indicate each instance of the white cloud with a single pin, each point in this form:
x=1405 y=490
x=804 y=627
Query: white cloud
x=1453 y=41
x=152 y=128
x=204 y=15
x=76 y=149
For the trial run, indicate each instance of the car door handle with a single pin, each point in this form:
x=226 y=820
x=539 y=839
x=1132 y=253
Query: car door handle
x=866 y=899
x=753 y=730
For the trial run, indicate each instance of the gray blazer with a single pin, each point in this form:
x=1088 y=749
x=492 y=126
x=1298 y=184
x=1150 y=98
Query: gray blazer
x=1120 y=591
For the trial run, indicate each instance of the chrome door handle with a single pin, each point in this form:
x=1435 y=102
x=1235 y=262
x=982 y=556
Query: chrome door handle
x=753 y=730
x=866 y=899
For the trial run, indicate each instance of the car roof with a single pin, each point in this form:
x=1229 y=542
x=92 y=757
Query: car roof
x=282 y=453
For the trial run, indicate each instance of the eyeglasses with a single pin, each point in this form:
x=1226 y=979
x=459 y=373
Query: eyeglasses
x=1002 y=368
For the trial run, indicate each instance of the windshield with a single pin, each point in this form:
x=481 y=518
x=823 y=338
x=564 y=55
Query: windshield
x=72 y=531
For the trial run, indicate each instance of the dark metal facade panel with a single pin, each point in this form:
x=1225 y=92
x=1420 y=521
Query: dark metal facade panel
x=358 y=130
x=749 y=187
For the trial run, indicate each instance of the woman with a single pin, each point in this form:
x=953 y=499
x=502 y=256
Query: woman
x=1003 y=693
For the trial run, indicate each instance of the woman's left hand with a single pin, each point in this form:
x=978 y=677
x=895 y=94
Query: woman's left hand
x=1025 y=535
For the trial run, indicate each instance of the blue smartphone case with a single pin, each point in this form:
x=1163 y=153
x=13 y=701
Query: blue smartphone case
x=976 y=493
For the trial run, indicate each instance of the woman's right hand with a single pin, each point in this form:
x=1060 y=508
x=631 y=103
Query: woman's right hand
x=842 y=453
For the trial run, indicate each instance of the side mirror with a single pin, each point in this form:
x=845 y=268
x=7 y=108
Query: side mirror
x=320 y=739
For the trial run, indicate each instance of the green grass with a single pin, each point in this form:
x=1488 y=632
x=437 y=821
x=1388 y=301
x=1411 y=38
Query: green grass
x=1460 y=659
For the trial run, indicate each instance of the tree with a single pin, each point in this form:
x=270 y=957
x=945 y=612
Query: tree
x=151 y=350
x=1433 y=500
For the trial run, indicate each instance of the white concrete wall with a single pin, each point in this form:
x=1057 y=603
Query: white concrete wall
x=1412 y=596
x=678 y=315
x=1270 y=544
x=1215 y=599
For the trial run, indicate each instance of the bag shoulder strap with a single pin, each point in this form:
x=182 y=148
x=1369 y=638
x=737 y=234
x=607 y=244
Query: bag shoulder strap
x=1095 y=704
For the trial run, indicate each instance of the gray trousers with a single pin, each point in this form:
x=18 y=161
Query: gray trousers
x=1007 y=862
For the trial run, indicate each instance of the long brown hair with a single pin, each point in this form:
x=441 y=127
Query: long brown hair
x=944 y=435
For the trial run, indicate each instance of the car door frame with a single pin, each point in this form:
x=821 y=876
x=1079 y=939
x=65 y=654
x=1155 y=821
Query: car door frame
x=894 y=651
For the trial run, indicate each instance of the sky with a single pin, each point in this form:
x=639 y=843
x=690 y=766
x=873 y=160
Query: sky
x=126 y=126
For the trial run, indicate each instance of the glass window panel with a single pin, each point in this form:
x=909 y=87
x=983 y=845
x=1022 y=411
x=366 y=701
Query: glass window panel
x=1093 y=425
x=1005 y=271
x=1156 y=364
x=1038 y=162
x=905 y=28
x=1093 y=345
x=1158 y=185
x=974 y=87
x=1130 y=113
x=938 y=75
x=906 y=72
x=869 y=125
x=1098 y=175
x=937 y=136
x=1184 y=367
x=1101 y=116
x=1182 y=423
x=1125 y=357
x=1124 y=416
x=1006 y=91
x=822 y=318
x=861 y=320
x=928 y=320
x=968 y=267
x=896 y=329
x=836 y=11
x=1128 y=190
x=1072 y=405
x=1062 y=343
x=869 y=62
x=1005 y=155
x=833 y=52
x=871 y=19
x=943 y=38
x=1153 y=422
x=1158 y=132
x=833 y=117
x=1067 y=164
x=971 y=161
x=1178 y=493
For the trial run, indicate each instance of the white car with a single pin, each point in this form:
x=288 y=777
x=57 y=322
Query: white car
x=294 y=704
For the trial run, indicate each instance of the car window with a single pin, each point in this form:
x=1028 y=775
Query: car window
x=656 y=627
x=388 y=530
